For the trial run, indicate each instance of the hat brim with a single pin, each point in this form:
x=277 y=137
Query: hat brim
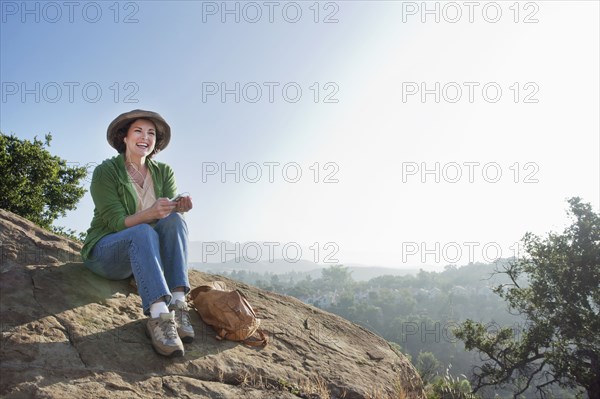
x=162 y=127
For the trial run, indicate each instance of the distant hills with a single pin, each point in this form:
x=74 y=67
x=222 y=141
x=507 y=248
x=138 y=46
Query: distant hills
x=280 y=266
x=227 y=256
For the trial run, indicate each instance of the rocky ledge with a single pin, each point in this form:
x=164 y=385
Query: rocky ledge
x=67 y=333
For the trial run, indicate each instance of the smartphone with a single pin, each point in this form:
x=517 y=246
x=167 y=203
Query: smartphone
x=178 y=196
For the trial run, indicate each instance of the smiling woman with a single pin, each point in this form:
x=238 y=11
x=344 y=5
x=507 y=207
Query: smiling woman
x=134 y=219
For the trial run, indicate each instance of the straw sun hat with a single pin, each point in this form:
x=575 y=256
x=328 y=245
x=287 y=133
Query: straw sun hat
x=114 y=134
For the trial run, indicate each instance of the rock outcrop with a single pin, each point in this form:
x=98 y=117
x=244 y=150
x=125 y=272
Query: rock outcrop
x=67 y=333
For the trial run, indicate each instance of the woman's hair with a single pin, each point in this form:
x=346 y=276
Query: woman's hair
x=122 y=133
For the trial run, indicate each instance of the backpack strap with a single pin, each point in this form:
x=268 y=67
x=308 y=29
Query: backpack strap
x=254 y=342
x=221 y=334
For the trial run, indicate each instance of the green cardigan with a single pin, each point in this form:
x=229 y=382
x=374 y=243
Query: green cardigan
x=115 y=197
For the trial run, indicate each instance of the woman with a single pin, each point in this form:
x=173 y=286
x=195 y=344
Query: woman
x=138 y=230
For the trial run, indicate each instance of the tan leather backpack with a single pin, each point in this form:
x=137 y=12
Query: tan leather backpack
x=229 y=313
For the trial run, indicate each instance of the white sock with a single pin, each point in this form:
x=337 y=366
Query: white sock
x=157 y=308
x=177 y=296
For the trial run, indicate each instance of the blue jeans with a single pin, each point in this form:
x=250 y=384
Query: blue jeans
x=156 y=256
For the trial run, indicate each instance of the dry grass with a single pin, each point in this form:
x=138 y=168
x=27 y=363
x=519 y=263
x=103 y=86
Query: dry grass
x=399 y=391
x=317 y=387
x=377 y=393
x=314 y=387
x=243 y=378
x=380 y=393
x=320 y=388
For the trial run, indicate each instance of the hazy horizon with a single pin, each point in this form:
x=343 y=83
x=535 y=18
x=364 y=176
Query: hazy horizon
x=258 y=252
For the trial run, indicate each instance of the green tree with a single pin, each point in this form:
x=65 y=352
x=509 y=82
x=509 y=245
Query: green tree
x=35 y=184
x=428 y=366
x=336 y=277
x=556 y=286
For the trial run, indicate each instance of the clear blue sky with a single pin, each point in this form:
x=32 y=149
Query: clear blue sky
x=387 y=93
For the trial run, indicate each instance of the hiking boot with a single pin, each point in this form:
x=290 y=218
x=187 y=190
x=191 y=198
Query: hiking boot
x=163 y=332
x=182 y=319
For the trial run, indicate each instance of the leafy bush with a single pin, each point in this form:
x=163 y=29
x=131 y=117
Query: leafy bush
x=35 y=184
x=450 y=387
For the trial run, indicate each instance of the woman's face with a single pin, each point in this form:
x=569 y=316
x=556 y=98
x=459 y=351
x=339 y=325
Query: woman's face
x=141 y=138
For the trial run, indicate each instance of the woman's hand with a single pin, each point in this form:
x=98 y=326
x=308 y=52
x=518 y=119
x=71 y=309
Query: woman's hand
x=162 y=208
x=183 y=204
